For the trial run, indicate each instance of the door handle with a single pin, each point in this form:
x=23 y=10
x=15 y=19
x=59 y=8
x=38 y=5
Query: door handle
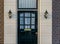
x=36 y=33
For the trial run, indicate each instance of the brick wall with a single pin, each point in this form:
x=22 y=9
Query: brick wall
x=55 y=21
x=1 y=21
x=45 y=24
x=10 y=25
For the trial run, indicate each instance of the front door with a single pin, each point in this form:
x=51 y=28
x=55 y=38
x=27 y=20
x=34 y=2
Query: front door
x=27 y=27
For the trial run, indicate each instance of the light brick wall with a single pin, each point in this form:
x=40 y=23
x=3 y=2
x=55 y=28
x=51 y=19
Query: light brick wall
x=10 y=25
x=46 y=24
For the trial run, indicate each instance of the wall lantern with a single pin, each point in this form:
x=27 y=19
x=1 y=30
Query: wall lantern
x=46 y=14
x=10 y=14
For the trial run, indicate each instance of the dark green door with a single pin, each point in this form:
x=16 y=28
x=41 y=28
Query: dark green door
x=27 y=27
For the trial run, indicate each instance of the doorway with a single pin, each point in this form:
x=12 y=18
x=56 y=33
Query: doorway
x=27 y=21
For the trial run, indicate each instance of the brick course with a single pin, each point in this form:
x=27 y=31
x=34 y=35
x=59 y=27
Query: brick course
x=1 y=21
x=55 y=21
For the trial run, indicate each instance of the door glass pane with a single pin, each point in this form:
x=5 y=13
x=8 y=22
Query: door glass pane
x=27 y=3
x=21 y=27
x=21 y=14
x=32 y=14
x=21 y=20
x=32 y=20
x=27 y=20
x=32 y=26
x=27 y=26
x=27 y=14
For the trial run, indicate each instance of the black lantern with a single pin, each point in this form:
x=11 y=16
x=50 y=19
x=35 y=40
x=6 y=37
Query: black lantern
x=10 y=14
x=46 y=14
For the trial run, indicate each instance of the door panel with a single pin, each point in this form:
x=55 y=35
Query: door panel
x=27 y=27
x=27 y=38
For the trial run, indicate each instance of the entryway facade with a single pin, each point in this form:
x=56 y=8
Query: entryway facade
x=45 y=28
